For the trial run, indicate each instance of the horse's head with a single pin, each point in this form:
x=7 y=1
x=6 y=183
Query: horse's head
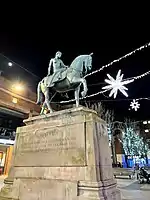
x=82 y=63
x=88 y=62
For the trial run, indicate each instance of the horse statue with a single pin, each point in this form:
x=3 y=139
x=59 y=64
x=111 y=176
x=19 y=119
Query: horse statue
x=70 y=79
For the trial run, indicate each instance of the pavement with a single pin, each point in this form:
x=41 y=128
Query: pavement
x=130 y=189
x=1 y=183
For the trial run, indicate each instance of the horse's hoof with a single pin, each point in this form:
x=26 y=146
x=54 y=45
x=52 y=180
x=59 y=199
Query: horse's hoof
x=38 y=103
x=67 y=97
x=83 y=94
x=49 y=111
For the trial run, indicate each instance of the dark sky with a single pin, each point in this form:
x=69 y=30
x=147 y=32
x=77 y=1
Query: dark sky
x=33 y=49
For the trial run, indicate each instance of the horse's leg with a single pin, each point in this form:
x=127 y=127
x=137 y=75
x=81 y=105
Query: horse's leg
x=43 y=108
x=83 y=81
x=46 y=93
x=76 y=94
x=39 y=93
x=85 y=88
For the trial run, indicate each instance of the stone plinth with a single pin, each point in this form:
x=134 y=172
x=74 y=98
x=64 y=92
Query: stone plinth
x=64 y=155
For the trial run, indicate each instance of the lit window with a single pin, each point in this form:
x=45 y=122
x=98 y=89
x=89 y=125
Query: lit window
x=14 y=100
x=145 y=122
x=146 y=131
x=148 y=122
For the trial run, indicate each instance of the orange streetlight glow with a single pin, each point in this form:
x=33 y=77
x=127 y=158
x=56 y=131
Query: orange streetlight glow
x=18 y=87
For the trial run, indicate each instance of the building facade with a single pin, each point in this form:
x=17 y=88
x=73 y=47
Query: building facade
x=17 y=102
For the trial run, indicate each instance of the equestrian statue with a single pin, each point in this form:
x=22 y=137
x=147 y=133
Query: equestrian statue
x=64 y=79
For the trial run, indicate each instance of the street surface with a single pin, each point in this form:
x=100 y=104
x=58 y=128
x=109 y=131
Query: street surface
x=132 y=190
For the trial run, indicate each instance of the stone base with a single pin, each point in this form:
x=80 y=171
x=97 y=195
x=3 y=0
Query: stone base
x=64 y=155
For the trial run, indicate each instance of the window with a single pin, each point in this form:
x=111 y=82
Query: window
x=145 y=122
x=14 y=100
x=146 y=131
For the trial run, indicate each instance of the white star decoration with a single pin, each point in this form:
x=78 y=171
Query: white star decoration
x=118 y=84
x=135 y=105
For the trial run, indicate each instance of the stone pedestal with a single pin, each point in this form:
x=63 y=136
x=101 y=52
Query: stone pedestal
x=62 y=156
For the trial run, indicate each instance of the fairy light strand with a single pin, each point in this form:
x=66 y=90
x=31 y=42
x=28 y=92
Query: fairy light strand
x=109 y=64
x=139 y=76
x=117 y=60
x=103 y=100
x=101 y=92
x=88 y=96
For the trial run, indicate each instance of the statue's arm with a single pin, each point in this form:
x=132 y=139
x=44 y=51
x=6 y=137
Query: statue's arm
x=50 y=65
x=63 y=65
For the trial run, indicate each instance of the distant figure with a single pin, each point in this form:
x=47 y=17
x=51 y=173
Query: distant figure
x=142 y=163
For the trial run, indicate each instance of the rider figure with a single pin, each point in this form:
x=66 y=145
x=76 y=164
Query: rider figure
x=57 y=64
x=58 y=67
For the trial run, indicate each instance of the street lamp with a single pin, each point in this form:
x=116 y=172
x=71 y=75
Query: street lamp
x=18 y=87
x=10 y=64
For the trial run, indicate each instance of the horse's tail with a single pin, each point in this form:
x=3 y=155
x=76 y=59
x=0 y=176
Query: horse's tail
x=39 y=94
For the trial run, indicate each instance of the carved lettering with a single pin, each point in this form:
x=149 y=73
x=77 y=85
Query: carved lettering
x=49 y=140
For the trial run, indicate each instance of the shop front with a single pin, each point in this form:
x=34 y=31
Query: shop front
x=5 y=159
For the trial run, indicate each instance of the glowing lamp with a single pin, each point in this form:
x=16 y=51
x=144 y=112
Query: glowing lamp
x=18 y=87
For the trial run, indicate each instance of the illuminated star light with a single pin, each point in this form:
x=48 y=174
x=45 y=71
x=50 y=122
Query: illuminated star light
x=118 y=84
x=135 y=104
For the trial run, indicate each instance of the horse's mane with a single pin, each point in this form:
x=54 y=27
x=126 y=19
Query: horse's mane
x=78 y=59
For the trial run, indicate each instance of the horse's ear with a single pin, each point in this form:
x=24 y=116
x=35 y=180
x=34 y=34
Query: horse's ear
x=91 y=54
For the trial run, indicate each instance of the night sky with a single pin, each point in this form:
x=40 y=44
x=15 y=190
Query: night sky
x=33 y=50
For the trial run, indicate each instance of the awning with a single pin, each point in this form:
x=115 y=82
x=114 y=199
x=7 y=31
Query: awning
x=7 y=142
x=11 y=112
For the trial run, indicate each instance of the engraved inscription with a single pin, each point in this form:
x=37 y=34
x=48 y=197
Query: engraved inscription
x=51 y=146
x=49 y=140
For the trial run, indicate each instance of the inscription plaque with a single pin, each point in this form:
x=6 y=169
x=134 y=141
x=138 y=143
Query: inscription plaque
x=59 y=146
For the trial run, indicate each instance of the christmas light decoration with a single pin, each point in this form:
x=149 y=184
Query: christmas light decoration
x=117 y=84
x=109 y=64
x=119 y=59
x=133 y=144
x=135 y=105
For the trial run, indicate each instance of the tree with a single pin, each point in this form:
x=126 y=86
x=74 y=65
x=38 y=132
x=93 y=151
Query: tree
x=108 y=117
x=133 y=144
x=103 y=113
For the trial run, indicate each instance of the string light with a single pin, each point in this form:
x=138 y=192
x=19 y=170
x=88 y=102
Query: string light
x=140 y=76
x=11 y=62
x=91 y=95
x=131 y=78
x=109 y=64
x=118 y=60
x=103 y=100
x=101 y=92
x=125 y=123
x=102 y=68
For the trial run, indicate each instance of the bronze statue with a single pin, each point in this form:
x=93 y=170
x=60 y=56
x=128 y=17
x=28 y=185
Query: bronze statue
x=57 y=64
x=64 y=79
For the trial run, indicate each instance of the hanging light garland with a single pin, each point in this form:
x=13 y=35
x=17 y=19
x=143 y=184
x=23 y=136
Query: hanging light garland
x=117 y=84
